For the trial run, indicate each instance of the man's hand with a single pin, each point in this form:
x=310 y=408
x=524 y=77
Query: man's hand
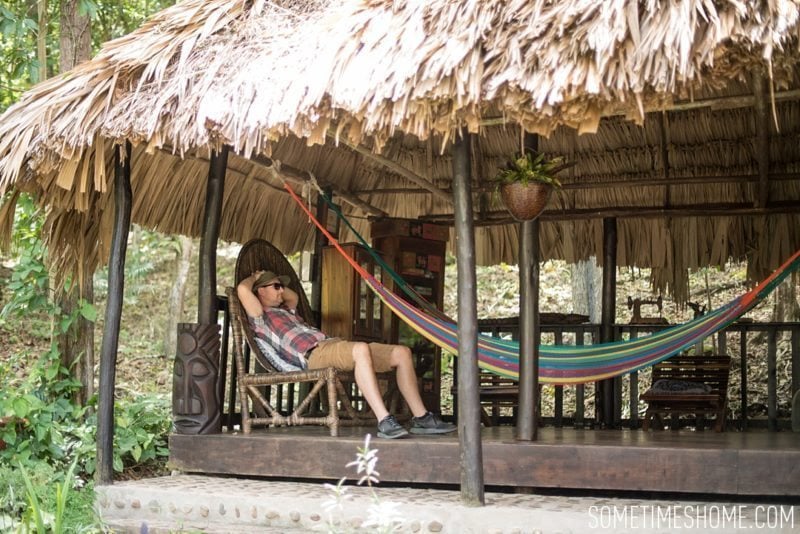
x=290 y=298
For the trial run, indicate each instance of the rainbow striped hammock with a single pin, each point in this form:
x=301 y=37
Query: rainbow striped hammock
x=558 y=364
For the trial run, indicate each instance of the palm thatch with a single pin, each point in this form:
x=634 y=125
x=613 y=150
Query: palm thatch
x=393 y=81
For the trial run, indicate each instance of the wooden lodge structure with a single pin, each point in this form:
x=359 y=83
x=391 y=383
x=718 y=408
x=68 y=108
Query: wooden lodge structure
x=680 y=127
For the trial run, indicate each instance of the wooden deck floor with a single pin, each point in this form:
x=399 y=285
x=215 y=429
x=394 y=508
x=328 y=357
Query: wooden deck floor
x=730 y=463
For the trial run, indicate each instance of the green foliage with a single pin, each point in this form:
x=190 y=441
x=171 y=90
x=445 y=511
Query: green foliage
x=45 y=417
x=112 y=19
x=40 y=498
x=29 y=279
x=147 y=251
x=530 y=167
x=141 y=428
x=19 y=28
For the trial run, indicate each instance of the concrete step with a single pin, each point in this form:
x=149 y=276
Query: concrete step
x=198 y=503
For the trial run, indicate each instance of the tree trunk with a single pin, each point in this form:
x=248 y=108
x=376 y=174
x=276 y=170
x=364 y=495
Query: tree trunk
x=41 y=39
x=77 y=344
x=587 y=284
x=786 y=307
x=84 y=370
x=177 y=295
x=75 y=40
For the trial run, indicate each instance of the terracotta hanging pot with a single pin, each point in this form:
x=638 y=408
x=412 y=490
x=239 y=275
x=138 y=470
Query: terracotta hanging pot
x=525 y=202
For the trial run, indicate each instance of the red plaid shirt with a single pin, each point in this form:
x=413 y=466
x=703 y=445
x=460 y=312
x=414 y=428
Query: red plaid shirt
x=284 y=331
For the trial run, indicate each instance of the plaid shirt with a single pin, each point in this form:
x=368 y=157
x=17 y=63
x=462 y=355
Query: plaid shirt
x=285 y=332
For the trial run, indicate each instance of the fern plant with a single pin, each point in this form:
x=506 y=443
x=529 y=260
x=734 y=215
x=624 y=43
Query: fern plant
x=530 y=167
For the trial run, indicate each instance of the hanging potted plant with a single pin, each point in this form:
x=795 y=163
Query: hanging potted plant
x=526 y=183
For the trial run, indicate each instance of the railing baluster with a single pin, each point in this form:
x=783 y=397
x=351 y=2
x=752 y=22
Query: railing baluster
x=579 y=389
x=633 y=398
x=795 y=333
x=559 y=390
x=772 y=379
x=743 y=376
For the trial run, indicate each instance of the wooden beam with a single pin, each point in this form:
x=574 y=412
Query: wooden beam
x=622 y=212
x=720 y=103
x=396 y=167
x=353 y=200
x=636 y=182
x=207 y=286
x=298 y=176
x=664 y=146
x=469 y=420
x=116 y=289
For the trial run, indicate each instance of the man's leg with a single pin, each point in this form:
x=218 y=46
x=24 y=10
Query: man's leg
x=386 y=357
x=352 y=356
x=400 y=359
x=367 y=381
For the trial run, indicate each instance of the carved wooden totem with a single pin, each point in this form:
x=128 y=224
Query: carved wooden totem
x=195 y=398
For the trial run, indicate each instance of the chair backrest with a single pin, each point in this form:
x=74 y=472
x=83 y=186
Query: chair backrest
x=259 y=254
x=255 y=255
x=712 y=370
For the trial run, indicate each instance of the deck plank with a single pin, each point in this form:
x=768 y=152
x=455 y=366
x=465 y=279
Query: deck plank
x=751 y=463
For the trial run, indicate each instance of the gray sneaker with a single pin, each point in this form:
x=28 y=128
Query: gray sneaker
x=389 y=428
x=430 y=424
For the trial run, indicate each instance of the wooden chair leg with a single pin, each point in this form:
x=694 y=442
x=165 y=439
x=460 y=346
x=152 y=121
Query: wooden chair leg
x=485 y=419
x=646 y=422
x=719 y=424
x=333 y=410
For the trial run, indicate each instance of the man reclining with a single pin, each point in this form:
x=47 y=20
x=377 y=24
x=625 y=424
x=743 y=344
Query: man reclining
x=270 y=306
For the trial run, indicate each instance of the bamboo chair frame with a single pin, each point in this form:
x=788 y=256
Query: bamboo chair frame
x=255 y=255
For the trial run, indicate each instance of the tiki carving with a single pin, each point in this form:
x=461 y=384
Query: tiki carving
x=195 y=398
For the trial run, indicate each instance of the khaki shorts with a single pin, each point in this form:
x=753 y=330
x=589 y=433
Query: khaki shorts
x=338 y=353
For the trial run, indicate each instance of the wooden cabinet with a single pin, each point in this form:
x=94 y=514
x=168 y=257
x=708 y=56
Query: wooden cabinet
x=416 y=251
x=350 y=309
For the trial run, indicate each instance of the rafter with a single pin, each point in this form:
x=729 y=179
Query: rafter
x=395 y=167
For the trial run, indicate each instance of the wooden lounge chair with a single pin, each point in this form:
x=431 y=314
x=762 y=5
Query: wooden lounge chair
x=252 y=383
x=696 y=385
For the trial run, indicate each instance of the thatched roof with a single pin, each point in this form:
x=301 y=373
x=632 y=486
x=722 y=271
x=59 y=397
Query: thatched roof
x=397 y=79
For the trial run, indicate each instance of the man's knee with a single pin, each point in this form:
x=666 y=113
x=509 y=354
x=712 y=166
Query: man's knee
x=401 y=355
x=361 y=354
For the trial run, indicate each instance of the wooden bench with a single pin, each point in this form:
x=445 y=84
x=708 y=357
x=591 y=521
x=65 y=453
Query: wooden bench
x=679 y=395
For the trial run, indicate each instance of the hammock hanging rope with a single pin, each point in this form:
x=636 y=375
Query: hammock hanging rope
x=561 y=364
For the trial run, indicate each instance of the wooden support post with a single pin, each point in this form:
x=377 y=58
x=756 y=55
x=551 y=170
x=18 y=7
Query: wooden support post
x=527 y=423
x=469 y=419
x=207 y=287
x=116 y=286
x=316 y=261
x=762 y=137
x=529 y=401
x=605 y=388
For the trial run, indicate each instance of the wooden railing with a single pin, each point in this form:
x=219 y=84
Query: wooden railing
x=746 y=335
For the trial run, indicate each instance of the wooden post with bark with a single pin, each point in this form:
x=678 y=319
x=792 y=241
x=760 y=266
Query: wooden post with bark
x=469 y=420
x=116 y=288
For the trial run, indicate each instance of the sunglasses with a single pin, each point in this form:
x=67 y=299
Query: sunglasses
x=276 y=285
